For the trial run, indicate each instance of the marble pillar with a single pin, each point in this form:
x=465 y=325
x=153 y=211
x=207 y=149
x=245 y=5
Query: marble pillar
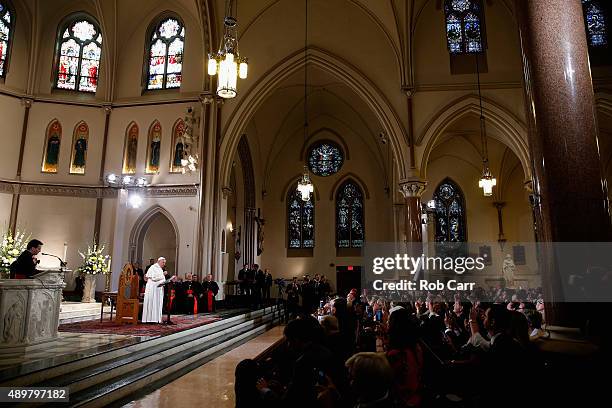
x=569 y=189
x=412 y=190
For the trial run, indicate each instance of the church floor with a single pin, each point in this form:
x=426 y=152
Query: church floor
x=211 y=384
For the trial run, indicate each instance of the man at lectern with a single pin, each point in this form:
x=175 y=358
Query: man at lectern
x=24 y=266
x=154 y=292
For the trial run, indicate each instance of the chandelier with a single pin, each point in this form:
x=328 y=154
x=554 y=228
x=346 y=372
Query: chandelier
x=189 y=160
x=305 y=186
x=487 y=181
x=227 y=62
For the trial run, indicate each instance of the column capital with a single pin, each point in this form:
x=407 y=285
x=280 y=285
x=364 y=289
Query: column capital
x=413 y=187
x=206 y=98
x=227 y=191
x=27 y=102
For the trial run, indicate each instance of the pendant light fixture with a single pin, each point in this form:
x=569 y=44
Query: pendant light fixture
x=487 y=181
x=305 y=186
x=227 y=62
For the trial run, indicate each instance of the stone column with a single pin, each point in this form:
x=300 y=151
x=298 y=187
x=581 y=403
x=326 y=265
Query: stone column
x=412 y=189
x=569 y=189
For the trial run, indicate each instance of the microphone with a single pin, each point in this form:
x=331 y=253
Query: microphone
x=62 y=263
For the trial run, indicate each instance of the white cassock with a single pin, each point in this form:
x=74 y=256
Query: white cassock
x=154 y=295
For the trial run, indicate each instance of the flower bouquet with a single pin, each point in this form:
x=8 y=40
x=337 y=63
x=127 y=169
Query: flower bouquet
x=10 y=248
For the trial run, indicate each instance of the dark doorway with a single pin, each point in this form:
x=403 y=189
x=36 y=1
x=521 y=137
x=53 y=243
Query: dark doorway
x=347 y=278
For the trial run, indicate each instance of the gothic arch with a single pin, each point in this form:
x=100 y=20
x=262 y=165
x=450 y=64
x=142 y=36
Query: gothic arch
x=140 y=229
x=349 y=176
x=349 y=75
x=511 y=127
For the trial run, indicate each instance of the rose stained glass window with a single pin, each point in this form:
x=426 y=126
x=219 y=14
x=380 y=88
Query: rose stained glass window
x=325 y=158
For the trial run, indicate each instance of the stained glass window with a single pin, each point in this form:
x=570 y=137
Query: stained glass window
x=154 y=148
x=130 y=150
x=464 y=26
x=325 y=158
x=178 y=146
x=595 y=20
x=78 y=55
x=79 y=149
x=350 y=230
x=166 y=55
x=6 y=32
x=52 y=147
x=300 y=220
x=450 y=213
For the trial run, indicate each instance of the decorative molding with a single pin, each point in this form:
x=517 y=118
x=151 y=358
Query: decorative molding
x=414 y=187
x=171 y=191
x=65 y=190
x=206 y=98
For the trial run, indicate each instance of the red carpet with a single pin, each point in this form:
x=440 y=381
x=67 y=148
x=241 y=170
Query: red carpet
x=106 y=327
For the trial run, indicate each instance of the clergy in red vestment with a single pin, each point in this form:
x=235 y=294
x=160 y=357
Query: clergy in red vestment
x=210 y=291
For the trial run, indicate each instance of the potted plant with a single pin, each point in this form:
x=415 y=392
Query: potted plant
x=95 y=262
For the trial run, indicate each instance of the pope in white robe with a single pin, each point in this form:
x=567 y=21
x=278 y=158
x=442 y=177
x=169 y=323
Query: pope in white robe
x=154 y=293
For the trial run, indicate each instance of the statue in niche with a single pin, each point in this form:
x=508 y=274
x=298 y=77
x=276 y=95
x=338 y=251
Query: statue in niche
x=508 y=269
x=155 y=148
x=260 y=231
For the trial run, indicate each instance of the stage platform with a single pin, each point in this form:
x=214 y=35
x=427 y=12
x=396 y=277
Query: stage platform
x=101 y=363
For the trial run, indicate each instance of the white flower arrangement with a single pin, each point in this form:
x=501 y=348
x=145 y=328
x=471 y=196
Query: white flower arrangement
x=10 y=249
x=95 y=261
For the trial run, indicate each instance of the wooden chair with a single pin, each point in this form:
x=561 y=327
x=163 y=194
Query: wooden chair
x=127 y=296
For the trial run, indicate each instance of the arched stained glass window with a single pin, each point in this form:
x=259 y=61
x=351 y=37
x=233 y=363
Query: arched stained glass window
x=450 y=213
x=350 y=230
x=6 y=34
x=300 y=220
x=78 y=55
x=165 y=64
x=464 y=26
x=52 y=147
x=325 y=158
x=596 y=24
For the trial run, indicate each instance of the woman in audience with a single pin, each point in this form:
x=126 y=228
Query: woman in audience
x=370 y=378
x=406 y=358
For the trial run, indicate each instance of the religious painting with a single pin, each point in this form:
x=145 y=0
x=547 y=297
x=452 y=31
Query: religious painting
x=154 y=148
x=80 y=139
x=130 y=149
x=179 y=146
x=52 y=147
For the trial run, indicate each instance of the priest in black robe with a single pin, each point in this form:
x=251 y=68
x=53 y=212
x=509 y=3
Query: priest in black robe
x=211 y=288
x=24 y=266
x=190 y=295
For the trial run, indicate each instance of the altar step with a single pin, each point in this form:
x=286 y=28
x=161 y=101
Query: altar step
x=112 y=376
x=73 y=312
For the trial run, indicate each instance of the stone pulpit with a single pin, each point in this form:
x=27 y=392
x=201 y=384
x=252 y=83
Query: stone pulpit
x=29 y=310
